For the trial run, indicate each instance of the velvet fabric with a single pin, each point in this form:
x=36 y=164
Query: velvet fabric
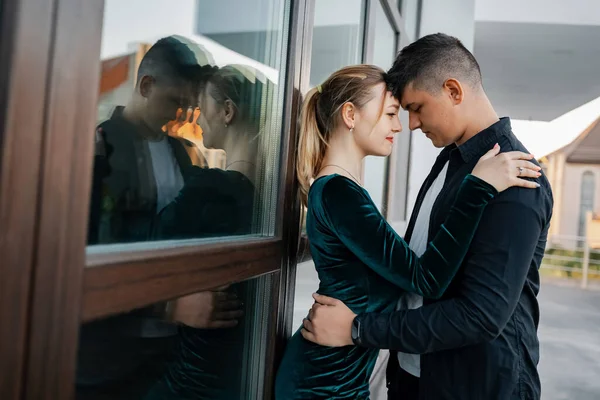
x=363 y=262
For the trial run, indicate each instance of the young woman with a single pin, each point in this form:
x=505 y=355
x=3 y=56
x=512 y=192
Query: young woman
x=358 y=256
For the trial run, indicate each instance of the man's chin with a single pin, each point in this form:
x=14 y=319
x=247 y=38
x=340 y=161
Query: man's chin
x=438 y=143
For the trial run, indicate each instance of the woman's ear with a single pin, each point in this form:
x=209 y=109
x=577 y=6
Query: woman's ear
x=348 y=115
x=230 y=110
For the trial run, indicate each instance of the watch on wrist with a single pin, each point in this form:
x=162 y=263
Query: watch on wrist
x=356 y=331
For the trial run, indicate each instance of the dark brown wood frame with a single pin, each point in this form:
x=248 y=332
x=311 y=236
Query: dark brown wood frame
x=23 y=81
x=45 y=272
x=298 y=69
x=73 y=74
x=119 y=283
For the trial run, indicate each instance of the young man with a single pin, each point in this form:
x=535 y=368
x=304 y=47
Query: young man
x=479 y=341
x=138 y=167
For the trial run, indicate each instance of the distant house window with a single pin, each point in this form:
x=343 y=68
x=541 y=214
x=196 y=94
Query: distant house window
x=586 y=199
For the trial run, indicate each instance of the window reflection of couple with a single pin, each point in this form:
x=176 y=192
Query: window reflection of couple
x=150 y=183
x=465 y=276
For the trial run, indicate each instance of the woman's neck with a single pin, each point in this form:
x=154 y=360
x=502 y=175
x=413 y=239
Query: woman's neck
x=240 y=147
x=241 y=153
x=343 y=157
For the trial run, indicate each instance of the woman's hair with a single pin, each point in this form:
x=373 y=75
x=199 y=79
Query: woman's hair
x=321 y=114
x=229 y=83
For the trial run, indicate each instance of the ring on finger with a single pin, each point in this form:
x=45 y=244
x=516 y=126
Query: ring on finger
x=520 y=170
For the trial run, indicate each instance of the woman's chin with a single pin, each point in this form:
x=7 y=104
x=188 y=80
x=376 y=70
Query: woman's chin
x=381 y=153
x=387 y=149
x=207 y=142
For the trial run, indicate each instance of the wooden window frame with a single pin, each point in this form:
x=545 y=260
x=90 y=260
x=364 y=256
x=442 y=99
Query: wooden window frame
x=113 y=283
x=23 y=82
x=48 y=281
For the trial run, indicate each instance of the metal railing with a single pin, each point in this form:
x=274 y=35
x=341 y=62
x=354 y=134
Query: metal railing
x=573 y=255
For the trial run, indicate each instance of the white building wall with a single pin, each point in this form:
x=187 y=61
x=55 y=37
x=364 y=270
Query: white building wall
x=573 y=12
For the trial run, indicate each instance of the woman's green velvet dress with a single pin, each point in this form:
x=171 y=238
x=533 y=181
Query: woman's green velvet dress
x=363 y=262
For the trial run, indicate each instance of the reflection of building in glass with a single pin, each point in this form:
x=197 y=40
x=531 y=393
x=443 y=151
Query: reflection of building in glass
x=117 y=79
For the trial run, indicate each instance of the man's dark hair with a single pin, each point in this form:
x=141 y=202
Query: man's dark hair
x=170 y=59
x=428 y=62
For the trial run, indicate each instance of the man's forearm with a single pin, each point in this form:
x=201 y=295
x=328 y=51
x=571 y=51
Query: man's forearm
x=421 y=331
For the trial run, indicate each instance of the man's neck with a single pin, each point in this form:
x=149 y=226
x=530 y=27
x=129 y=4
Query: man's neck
x=142 y=128
x=482 y=118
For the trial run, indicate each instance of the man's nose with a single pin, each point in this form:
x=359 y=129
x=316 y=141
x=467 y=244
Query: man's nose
x=413 y=122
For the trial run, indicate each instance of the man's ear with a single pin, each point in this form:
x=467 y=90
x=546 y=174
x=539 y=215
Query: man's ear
x=146 y=85
x=454 y=89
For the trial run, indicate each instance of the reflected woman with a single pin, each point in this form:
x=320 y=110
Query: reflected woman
x=214 y=201
x=208 y=360
x=359 y=258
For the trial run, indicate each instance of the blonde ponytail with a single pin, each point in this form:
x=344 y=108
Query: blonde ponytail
x=311 y=145
x=321 y=113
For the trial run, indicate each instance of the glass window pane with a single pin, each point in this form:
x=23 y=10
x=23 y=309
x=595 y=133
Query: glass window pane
x=337 y=42
x=209 y=345
x=189 y=129
x=384 y=50
x=337 y=37
x=189 y=120
x=409 y=10
x=398 y=176
x=384 y=43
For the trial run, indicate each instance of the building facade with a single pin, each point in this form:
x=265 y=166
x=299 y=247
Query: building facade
x=574 y=173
